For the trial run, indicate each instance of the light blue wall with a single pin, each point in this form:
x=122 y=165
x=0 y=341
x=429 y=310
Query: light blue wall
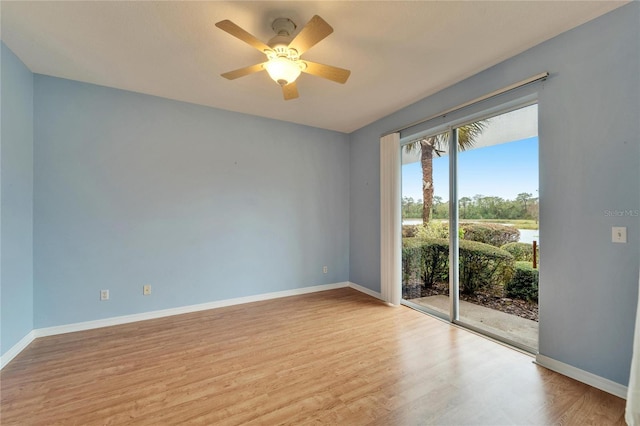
x=207 y=205
x=202 y=204
x=16 y=217
x=589 y=163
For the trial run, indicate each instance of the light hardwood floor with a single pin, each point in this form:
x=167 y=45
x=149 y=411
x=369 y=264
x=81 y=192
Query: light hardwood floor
x=334 y=357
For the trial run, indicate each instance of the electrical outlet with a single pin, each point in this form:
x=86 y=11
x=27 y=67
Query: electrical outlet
x=104 y=295
x=146 y=289
x=619 y=234
x=325 y=269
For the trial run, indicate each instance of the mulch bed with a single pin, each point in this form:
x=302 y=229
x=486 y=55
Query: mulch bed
x=487 y=298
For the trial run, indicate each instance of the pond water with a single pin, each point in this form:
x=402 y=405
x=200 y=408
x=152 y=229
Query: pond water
x=529 y=235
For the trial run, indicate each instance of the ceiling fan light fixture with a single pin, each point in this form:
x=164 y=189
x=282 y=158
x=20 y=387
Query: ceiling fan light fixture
x=283 y=53
x=282 y=70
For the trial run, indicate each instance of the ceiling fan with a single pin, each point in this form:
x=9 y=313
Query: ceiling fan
x=283 y=53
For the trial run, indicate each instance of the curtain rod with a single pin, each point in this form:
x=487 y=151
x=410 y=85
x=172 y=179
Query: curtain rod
x=533 y=79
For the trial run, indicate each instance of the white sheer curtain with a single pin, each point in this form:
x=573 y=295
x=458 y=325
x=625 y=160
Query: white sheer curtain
x=632 y=415
x=390 y=219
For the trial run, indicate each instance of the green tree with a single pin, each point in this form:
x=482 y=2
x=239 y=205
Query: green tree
x=410 y=208
x=464 y=202
x=533 y=209
x=524 y=198
x=435 y=203
x=437 y=145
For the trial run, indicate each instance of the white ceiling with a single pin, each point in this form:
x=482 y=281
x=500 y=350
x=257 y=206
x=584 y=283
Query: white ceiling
x=398 y=51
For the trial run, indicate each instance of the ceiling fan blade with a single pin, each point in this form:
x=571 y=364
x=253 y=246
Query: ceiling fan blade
x=290 y=91
x=315 y=30
x=241 y=72
x=336 y=74
x=241 y=34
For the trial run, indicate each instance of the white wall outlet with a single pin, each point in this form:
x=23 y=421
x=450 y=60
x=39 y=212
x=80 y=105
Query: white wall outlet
x=619 y=234
x=104 y=294
x=325 y=269
x=146 y=289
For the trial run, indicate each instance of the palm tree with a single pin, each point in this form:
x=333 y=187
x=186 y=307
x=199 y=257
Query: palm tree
x=438 y=144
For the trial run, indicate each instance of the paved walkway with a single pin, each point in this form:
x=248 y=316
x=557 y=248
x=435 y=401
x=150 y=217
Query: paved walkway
x=508 y=326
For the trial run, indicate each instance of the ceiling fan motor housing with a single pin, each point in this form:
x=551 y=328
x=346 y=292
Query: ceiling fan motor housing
x=284 y=28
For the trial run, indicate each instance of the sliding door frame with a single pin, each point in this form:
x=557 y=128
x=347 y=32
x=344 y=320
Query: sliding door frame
x=454 y=238
x=454 y=282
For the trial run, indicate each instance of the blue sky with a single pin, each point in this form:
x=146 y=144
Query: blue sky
x=503 y=170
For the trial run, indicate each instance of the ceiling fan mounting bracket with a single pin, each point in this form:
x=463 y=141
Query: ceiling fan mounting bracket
x=283 y=27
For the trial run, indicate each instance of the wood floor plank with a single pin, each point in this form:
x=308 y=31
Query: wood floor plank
x=334 y=357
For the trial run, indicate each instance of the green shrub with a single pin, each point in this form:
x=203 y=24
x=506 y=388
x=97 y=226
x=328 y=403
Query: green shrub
x=410 y=231
x=436 y=229
x=524 y=284
x=483 y=265
x=490 y=233
x=411 y=260
x=433 y=230
x=521 y=251
x=425 y=260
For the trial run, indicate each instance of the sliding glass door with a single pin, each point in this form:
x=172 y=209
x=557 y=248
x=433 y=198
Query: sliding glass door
x=470 y=225
x=425 y=217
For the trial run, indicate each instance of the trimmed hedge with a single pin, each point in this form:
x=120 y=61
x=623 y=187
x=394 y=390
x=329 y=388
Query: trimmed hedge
x=481 y=265
x=521 y=251
x=425 y=260
x=490 y=233
x=524 y=284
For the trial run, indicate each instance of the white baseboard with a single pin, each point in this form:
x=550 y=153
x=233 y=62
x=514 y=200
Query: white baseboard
x=365 y=290
x=125 y=319
x=557 y=366
x=16 y=349
x=590 y=379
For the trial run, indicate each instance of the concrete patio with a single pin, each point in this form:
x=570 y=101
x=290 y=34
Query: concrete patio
x=507 y=326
